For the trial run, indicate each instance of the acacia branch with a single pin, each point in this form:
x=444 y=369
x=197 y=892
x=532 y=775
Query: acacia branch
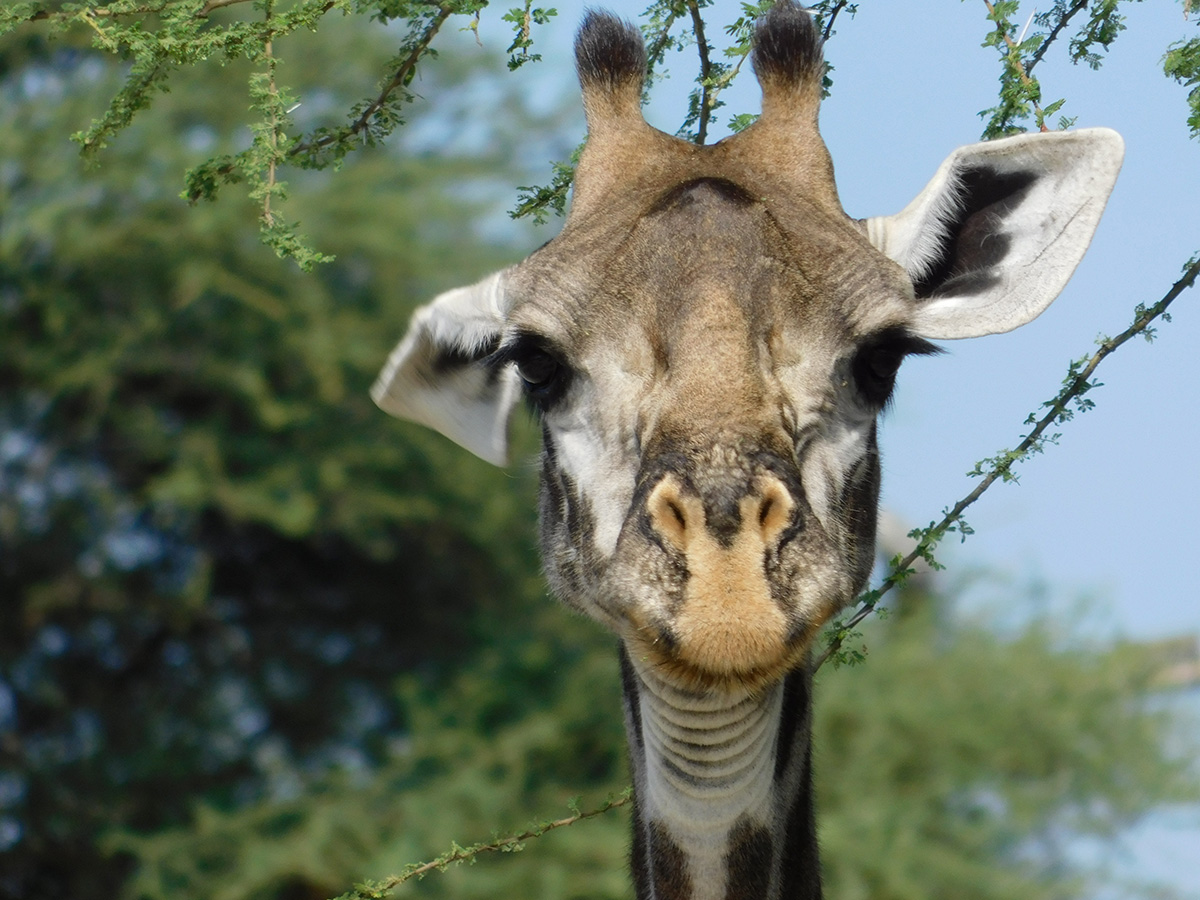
x=726 y=79
x=273 y=91
x=403 y=76
x=1014 y=60
x=827 y=31
x=705 y=70
x=104 y=12
x=457 y=854
x=1076 y=385
x=658 y=46
x=216 y=4
x=1079 y=6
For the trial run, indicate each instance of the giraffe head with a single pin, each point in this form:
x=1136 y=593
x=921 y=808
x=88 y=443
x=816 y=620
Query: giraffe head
x=710 y=340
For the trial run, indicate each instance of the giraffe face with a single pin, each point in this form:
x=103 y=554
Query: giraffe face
x=708 y=383
x=710 y=340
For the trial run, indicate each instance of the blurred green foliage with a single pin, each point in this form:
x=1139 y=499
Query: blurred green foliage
x=521 y=731
x=956 y=762
x=961 y=761
x=215 y=553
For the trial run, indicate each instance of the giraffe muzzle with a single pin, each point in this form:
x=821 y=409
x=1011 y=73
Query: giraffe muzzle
x=729 y=624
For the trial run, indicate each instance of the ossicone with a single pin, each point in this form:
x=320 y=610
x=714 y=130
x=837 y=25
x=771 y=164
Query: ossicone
x=609 y=52
x=611 y=61
x=787 y=57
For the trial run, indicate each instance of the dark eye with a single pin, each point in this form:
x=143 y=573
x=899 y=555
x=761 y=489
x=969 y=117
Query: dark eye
x=878 y=360
x=538 y=364
x=542 y=373
x=538 y=369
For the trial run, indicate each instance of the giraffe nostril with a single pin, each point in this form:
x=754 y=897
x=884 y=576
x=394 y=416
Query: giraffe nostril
x=678 y=513
x=667 y=509
x=762 y=508
x=775 y=506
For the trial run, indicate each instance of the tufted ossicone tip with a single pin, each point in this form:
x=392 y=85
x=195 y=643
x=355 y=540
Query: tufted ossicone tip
x=611 y=61
x=789 y=63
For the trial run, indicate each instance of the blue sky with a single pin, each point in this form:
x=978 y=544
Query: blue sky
x=1111 y=511
x=1110 y=514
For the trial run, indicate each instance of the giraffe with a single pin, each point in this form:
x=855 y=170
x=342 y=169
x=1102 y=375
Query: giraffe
x=708 y=344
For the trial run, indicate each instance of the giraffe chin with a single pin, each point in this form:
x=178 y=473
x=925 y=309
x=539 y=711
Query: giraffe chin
x=703 y=667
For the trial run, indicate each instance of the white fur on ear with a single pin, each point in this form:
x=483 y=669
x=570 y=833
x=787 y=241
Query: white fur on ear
x=994 y=237
x=916 y=236
x=436 y=376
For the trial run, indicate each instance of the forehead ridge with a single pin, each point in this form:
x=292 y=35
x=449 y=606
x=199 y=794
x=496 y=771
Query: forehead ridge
x=780 y=258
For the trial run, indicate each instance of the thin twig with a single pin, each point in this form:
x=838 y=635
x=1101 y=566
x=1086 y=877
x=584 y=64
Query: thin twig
x=1054 y=33
x=725 y=80
x=87 y=17
x=655 y=51
x=216 y=4
x=526 y=24
x=273 y=90
x=1078 y=386
x=828 y=29
x=1015 y=57
x=402 y=76
x=705 y=70
x=458 y=854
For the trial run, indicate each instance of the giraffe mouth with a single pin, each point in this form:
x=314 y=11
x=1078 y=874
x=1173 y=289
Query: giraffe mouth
x=721 y=661
x=728 y=626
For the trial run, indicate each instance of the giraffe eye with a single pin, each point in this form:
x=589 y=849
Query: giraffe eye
x=537 y=369
x=878 y=360
x=542 y=374
x=884 y=362
x=539 y=364
x=875 y=371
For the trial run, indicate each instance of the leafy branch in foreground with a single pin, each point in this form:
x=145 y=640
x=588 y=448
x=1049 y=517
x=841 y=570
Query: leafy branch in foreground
x=524 y=20
x=456 y=855
x=160 y=37
x=539 y=201
x=373 y=120
x=1182 y=62
x=1000 y=467
x=1020 y=93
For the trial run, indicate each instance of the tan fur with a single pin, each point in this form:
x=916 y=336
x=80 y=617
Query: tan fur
x=728 y=624
x=775 y=159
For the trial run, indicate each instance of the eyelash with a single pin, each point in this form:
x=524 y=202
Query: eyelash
x=878 y=360
x=543 y=375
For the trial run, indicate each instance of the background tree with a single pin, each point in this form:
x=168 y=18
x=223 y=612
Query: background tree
x=216 y=555
x=258 y=641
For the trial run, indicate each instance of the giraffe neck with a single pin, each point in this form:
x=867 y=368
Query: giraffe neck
x=722 y=790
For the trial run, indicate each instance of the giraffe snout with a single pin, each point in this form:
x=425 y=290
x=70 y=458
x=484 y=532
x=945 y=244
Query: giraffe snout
x=730 y=622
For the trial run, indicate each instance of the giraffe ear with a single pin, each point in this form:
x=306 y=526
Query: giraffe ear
x=992 y=239
x=438 y=375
